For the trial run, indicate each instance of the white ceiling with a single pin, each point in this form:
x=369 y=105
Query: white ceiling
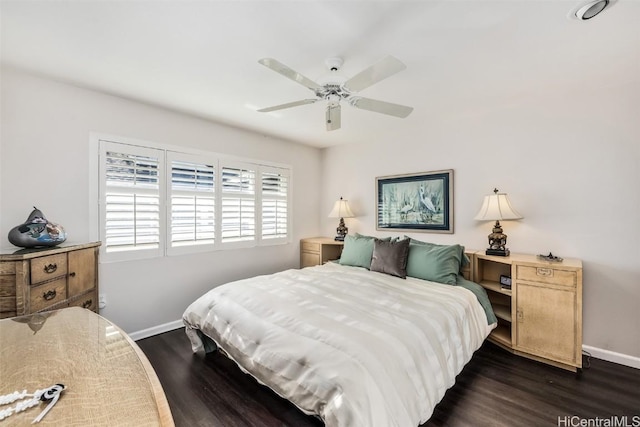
x=200 y=57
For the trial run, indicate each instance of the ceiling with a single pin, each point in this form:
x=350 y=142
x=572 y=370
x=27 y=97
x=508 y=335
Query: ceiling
x=200 y=57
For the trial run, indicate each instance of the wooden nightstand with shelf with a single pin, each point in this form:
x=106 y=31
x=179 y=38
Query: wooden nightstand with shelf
x=319 y=250
x=540 y=317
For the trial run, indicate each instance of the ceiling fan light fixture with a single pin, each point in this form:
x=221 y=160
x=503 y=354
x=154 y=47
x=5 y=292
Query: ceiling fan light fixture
x=334 y=63
x=333 y=76
x=591 y=9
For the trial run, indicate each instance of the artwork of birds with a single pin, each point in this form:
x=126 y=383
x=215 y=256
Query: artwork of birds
x=425 y=200
x=408 y=207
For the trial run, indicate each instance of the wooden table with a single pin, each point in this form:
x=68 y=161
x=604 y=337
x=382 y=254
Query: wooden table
x=108 y=379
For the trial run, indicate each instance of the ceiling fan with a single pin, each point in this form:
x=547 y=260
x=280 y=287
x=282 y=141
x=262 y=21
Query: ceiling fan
x=335 y=88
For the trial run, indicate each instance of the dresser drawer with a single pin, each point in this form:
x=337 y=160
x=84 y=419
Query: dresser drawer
x=549 y=275
x=310 y=247
x=48 y=294
x=309 y=259
x=88 y=301
x=48 y=267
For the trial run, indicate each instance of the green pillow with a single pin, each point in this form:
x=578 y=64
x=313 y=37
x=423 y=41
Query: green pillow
x=435 y=263
x=464 y=259
x=357 y=251
x=384 y=239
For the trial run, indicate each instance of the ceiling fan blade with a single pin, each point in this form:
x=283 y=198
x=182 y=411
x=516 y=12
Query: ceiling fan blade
x=279 y=67
x=333 y=117
x=383 y=107
x=386 y=67
x=287 y=105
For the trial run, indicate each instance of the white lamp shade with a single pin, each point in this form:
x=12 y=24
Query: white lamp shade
x=497 y=207
x=341 y=209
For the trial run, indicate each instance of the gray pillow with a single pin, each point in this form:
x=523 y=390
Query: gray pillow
x=390 y=257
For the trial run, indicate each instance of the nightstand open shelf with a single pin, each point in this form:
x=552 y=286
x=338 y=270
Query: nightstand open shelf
x=501 y=335
x=495 y=287
x=502 y=311
x=487 y=273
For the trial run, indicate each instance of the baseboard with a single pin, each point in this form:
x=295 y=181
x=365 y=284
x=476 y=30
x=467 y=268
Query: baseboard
x=612 y=356
x=156 y=330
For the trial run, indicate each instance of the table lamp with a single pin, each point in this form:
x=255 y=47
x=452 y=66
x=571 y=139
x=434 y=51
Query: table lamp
x=496 y=207
x=341 y=210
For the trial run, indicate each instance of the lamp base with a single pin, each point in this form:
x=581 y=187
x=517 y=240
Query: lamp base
x=497 y=252
x=342 y=231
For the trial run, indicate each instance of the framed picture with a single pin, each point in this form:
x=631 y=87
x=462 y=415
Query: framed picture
x=416 y=202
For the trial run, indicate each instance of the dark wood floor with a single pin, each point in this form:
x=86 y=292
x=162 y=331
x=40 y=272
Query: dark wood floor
x=495 y=389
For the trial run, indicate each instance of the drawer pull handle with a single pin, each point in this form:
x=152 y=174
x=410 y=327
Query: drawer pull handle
x=72 y=274
x=87 y=303
x=546 y=272
x=49 y=295
x=50 y=268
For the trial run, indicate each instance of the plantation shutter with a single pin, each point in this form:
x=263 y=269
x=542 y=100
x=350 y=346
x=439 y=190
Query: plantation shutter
x=131 y=197
x=275 y=203
x=238 y=208
x=192 y=201
x=154 y=201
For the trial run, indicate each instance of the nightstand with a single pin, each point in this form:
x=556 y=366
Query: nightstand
x=540 y=317
x=319 y=250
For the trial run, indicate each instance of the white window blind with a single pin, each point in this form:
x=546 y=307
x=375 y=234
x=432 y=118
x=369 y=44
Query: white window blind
x=131 y=196
x=275 y=201
x=238 y=200
x=192 y=196
x=156 y=201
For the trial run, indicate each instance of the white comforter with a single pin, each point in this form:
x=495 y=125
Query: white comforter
x=355 y=347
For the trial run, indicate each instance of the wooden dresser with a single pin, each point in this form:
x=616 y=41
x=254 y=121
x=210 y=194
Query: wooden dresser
x=540 y=317
x=35 y=280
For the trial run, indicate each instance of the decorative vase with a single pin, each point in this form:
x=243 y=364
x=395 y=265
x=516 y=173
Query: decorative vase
x=37 y=231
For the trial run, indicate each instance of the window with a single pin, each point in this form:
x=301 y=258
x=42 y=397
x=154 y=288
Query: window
x=192 y=201
x=131 y=196
x=238 y=204
x=157 y=201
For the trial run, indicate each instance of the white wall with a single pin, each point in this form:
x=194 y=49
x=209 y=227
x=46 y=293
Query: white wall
x=45 y=162
x=570 y=163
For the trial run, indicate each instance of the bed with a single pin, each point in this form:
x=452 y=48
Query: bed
x=354 y=347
